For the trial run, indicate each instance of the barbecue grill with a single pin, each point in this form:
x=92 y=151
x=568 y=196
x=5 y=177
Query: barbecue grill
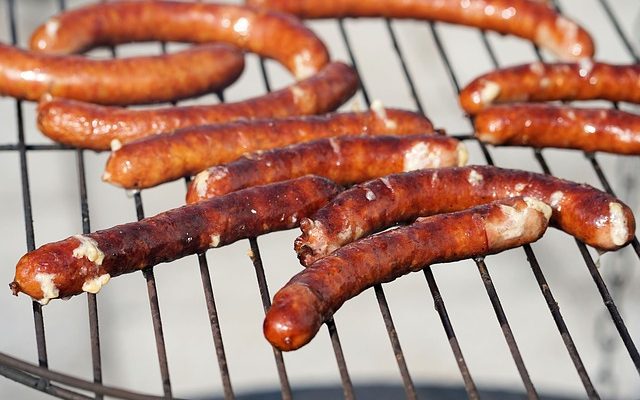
x=417 y=65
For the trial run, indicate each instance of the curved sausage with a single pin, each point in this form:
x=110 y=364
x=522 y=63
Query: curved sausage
x=540 y=126
x=345 y=160
x=586 y=80
x=313 y=295
x=162 y=158
x=74 y=31
x=87 y=262
x=90 y=126
x=592 y=216
x=524 y=18
x=28 y=75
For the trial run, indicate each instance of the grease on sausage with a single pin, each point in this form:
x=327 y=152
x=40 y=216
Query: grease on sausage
x=586 y=80
x=161 y=158
x=538 y=23
x=594 y=217
x=29 y=76
x=73 y=31
x=540 y=126
x=94 y=127
x=86 y=262
x=313 y=295
x=344 y=160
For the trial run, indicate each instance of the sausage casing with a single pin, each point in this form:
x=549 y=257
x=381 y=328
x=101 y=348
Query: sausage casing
x=111 y=23
x=586 y=80
x=86 y=262
x=161 y=158
x=539 y=125
x=29 y=76
x=538 y=23
x=592 y=216
x=345 y=160
x=313 y=295
x=94 y=127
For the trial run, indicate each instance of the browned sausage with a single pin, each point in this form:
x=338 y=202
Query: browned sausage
x=161 y=158
x=593 y=216
x=313 y=295
x=344 y=160
x=86 y=262
x=529 y=20
x=94 y=127
x=585 y=80
x=295 y=46
x=540 y=126
x=28 y=75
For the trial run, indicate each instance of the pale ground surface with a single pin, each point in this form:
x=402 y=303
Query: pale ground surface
x=128 y=349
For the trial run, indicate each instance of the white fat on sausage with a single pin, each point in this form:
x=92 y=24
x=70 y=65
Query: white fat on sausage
x=88 y=248
x=94 y=285
x=619 y=229
x=48 y=287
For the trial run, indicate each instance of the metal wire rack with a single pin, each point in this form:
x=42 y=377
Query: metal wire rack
x=41 y=378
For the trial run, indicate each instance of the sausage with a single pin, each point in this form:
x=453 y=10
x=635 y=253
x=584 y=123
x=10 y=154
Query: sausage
x=87 y=262
x=592 y=216
x=91 y=126
x=28 y=75
x=161 y=158
x=586 y=80
x=540 y=126
x=530 y=20
x=344 y=160
x=74 y=31
x=313 y=295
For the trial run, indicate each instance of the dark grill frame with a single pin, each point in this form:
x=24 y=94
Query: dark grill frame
x=41 y=378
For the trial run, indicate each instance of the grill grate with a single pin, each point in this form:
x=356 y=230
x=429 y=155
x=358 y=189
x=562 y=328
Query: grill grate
x=41 y=378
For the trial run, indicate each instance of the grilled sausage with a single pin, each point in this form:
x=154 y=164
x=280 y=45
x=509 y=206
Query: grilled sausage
x=313 y=295
x=90 y=126
x=344 y=160
x=87 y=262
x=540 y=126
x=296 y=47
x=592 y=216
x=586 y=80
x=161 y=158
x=28 y=75
x=535 y=22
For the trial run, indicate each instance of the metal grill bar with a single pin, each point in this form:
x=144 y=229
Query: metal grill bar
x=379 y=292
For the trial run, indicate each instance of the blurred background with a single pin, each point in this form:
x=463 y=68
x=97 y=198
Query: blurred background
x=128 y=349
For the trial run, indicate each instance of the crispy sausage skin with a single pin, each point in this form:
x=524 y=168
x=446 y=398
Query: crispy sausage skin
x=111 y=23
x=313 y=295
x=345 y=160
x=86 y=262
x=161 y=158
x=538 y=23
x=94 y=127
x=594 y=217
x=586 y=80
x=29 y=75
x=541 y=125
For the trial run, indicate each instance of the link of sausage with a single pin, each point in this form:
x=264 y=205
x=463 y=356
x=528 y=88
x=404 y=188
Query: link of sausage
x=94 y=127
x=592 y=216
x=586 y=80
x=530 y=20
x=161 y=158
x=541 y=126
x=86 y=262
x=29 y=76
x=313 y=295
x=296 y=47
x=344 y=160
